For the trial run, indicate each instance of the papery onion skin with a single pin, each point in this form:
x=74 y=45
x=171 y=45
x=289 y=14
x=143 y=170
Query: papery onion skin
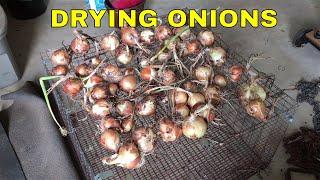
x=236 y=72
x=129 y=36
x=163 y=32
x=213 y=94
x=179 y=97
x=125 y=108
x=169 y=130
x=184 y=35
x=182 y=110
x=80 y=46
x=218 y=56
x=207 y=114
x=168 y=77
x=60 y=57
x=190 y=86
x=195 y=99
x=94 y=80
x=72 y=86
x=164 y=56
x=145 y=138
x=220 y=80
x=95 y=61
x=101 y=108
x=148 y=73
x=251 y=92
x=203 y=73
x=127 y=124
x=60 y=70
x=110 y=139
x=194 y=127
x=257 y=109
x=128 y=83
x=113 y=88
x=147 y=106
x=109 y=123
x=193 y=47
x=109 y=42
x=124 y=55
x=112 y=73
x=206 y=38
x=147 y=36
x=83 y=70
x=99 y=92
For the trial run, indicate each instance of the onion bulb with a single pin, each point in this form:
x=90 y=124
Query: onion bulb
x=99 y=92
x=206 y=38
x=163 y=32
x=94 y=80
x=193 y=47
x=179 y=97
x=169 y=130
x=101 y=108
x=128 y=83
x=148 y=73
x=144 y=138
x=112 y=73
x=129 y=71
x=220 y=80
x=60 y=70
x=236 y=72
x=109 y=123
x=252 y=91
x=112 y=89
x=129 y=36
x=124 y=55
x=182 y=110
x=110 y=139
x=125 y=108
x=72 y=86
x=147 y=36
x=60 y=57
x=194 y=127
x=257 y=108
x=184 y=35
x=147 y=106
x=127 y=157
x=203 y=73
x=218 y=56
x=83 y=70
x=196 y=99
x=213 y=94
x=207 y=113
x=95 y=61
x=109 y=42
x=168 y=77
x=80 y=45
x=189 y=86
x=164 y=56
x=127 y=124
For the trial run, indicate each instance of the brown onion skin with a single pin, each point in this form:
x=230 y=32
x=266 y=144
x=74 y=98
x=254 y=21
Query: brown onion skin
x=72 y=86
x=190 y=86
x=147 y=73
x=257 y=109
x=95 y=61
x=109 y=122
x=185 y=35
x=179 y=97
x=193 y=47
x=60 y=70
x=112 y=73
x=168 y=77
x=125 y=108
x=112 y=136
x=127 y=124
x=113 y=89
x=182 y=110
x=213 y=94
x=109 y=42
x=147 y=106
x=101 y=108
x=94 y=80
x=129 y=36
x=163 y=32
x=128 y=83
x=80 y=46
x=147 y=36
x=220 y=80
x=169 y=130
x=83 y=70
x=236 y=72
x=123 y=54
x=203 y=73
x=206 y=38
x=132 y=148
x=99 y=92
x=60 y=57
x=145 y=138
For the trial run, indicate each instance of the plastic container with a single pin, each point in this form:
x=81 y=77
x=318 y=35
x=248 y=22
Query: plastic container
x=9 y=73
x=27 y=9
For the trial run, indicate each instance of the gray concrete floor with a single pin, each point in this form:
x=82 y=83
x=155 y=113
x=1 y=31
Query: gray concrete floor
x=28 y=38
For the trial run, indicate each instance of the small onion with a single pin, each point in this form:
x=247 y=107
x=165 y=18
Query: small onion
x=179 y=97
x=129 y=36
x=236 y=72
x=83 y=70
x=165 y=56
x=112 y=73
x=80 y=45
x=147 y=106
x=168 y=77
x=190 y=86
x=203 y=73
x=182 y=110
x=112 y=89
x=127 y=124
x=213 y=94
x=129 y=71
x=110 y=139
x=127 y=157
x=99 y=92
x=257 y=108
x=148 y=73
x=207 y=113
x=195 y=99
x=169 y=130
x=95 y=61
x=72 y=86
x=193 y=47
x=145 y=138
x=163 y=32
x=101 y=108
x=220 y=80
x=60 y=70
x=218 y=56
x=109 y=123
x=184 y=35
x=206 y=38
x=128 y=83
x=125 y=108
x=109 y=42
x=124 y=55
x=144 y=62
x=147 y=36
x=94 y=80
x=194 y=127
x=60 y=57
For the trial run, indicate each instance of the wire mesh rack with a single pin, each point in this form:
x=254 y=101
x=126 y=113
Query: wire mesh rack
x=246 y=145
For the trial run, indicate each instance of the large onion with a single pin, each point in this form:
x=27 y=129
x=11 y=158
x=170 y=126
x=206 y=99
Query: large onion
x=179 y=97
x=163 y=32
x=147 y=106
x=257 y=108
x=218 y=56
x=128 y=83
x=124 y=55
x=194 y=127
x=169 y=130
x=195 y=99
x=145 y=138
x=127 y=157
x=60 y=57
x=101 y=108
x=94 y=80
x=109 y=123
x=203 y=73
x=125 y=108
x=110 y=139
x=109 y=42
x=112 y=73
x=72 y=86
x=206 y=38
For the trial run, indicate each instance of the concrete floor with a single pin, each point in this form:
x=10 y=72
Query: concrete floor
x=28 y=38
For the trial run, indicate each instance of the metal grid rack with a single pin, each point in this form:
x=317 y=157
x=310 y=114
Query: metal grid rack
x=248 y=144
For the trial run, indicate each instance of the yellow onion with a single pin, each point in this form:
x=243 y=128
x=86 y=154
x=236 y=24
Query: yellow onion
x=169 y=130
x=194 y=127
x=110 y=139
x=144 y=138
